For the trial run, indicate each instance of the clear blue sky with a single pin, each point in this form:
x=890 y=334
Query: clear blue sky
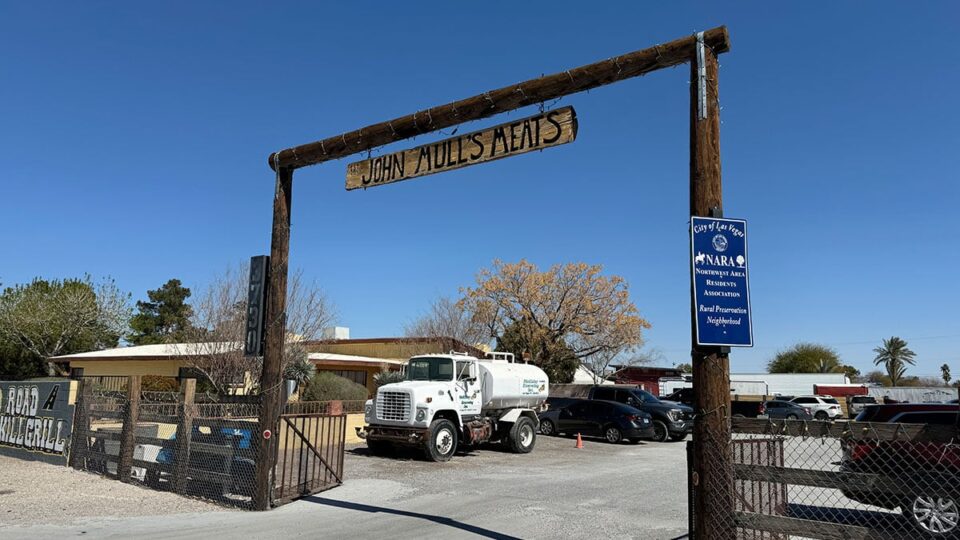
x=134 y=144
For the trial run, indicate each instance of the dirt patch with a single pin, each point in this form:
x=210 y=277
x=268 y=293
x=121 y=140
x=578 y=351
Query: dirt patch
x=34 y=493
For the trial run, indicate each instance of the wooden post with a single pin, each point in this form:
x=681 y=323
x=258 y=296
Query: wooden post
x=275 y=315
x=713 y=504
x=128 y=433
x=80 y=442
x=181 y=462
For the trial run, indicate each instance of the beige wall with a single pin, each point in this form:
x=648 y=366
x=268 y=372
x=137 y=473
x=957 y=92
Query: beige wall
x=167 y=368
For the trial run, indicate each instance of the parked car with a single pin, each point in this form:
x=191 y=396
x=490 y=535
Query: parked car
x=613 y=421
x=823 y=407
x=786 y=410
x=739 y=408
x=855 y=404
x=670 y=420
x=909 y=470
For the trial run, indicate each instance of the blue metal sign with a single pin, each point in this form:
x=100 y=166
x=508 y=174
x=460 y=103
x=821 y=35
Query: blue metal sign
x=721 y=286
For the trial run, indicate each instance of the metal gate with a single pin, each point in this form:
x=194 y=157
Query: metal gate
x=310 y=453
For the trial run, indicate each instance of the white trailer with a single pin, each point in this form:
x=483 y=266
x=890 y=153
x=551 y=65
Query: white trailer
x=449 y=400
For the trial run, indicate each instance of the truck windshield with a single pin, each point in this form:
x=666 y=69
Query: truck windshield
x=430 y=369
x=645 y=397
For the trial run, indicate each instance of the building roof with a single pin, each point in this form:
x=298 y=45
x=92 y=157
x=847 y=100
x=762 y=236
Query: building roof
x=447 y=343
x=351 y=359
x=156 y=351
x=625 y=372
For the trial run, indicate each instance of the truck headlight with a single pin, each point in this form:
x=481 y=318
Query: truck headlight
x=676 y=414
x=421 y=415
x=367 y=408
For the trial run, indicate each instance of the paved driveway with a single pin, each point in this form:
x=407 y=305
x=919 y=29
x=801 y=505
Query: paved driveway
x=601 y=491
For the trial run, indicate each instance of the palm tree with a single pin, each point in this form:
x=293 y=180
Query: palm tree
x=894 y=354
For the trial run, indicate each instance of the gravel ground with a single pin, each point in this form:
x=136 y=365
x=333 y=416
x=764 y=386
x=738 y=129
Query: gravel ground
x=33 y=493
x=556 y=492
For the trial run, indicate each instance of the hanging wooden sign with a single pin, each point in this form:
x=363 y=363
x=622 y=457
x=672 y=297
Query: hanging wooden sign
x=544 y=130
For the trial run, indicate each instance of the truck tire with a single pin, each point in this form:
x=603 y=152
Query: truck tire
x=523 y=436
x=441 y=440
x=379 y=448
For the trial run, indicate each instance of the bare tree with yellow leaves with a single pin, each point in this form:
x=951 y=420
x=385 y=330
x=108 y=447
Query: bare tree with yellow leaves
x=571 y=304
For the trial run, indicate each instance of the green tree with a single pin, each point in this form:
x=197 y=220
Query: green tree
x=806 y=358
x=945 y=374
x=551 y=355
x=45 y=318
x=297 y=366
x=685 y=367
x=877 y=377
x=894 y=355
x=852 y=373
x=165 y=318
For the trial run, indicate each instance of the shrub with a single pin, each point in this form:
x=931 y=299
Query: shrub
x=387 y=377
x=325 y=386
x=157 y=383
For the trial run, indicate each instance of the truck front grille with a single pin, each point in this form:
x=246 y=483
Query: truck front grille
x=393 y=406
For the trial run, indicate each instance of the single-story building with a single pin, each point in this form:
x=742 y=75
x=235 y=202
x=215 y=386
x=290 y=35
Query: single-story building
x=645 y=377
x=355 y=359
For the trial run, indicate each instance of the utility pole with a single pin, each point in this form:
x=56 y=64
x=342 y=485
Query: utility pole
x=711 y=365
x=275 y=318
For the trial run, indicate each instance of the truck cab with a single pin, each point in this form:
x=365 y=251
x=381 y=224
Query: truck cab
x=450 y=400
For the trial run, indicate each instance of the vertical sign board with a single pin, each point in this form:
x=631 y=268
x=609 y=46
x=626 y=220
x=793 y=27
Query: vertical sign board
x=718 y=253
x=36 y=419
x=256 y=293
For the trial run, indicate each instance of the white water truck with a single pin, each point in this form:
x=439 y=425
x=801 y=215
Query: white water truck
x=449 y=400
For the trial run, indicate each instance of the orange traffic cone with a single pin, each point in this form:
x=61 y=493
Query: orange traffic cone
x=579 y=441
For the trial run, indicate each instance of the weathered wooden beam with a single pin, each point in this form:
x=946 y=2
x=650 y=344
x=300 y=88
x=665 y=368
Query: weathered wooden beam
x=800 y=527
x=128 y=433
x=544 y=130
x=848 y=430
x=501 y=100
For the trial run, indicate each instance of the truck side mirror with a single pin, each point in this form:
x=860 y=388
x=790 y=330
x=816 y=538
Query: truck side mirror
x=473 y=372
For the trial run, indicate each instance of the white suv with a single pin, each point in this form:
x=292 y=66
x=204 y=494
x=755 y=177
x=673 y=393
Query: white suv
x=822 y=407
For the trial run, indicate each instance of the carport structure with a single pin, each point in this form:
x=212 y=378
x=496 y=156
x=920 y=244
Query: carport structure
x=710 y=364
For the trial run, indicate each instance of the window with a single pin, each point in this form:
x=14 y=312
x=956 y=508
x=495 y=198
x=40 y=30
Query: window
x=359 y=377
x=604 y=393
x=940 y=418
x=862 y=399
x=805 y=400
x=774 y=405
x=830 y=400
x=430 y=369
x=463 y=370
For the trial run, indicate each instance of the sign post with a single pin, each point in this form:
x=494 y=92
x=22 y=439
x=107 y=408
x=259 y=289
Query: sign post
x=721 y=283
x=256 y=293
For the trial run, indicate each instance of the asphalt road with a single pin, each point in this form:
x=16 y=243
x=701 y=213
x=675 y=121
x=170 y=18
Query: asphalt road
x=557 y=491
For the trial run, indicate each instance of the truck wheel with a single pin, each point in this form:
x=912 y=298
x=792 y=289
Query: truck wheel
x=441 y=440
x=523 y=435
x=660 y=431
x=379 y=448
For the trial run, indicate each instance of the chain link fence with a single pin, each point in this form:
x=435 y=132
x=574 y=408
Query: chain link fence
x=833 y=480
